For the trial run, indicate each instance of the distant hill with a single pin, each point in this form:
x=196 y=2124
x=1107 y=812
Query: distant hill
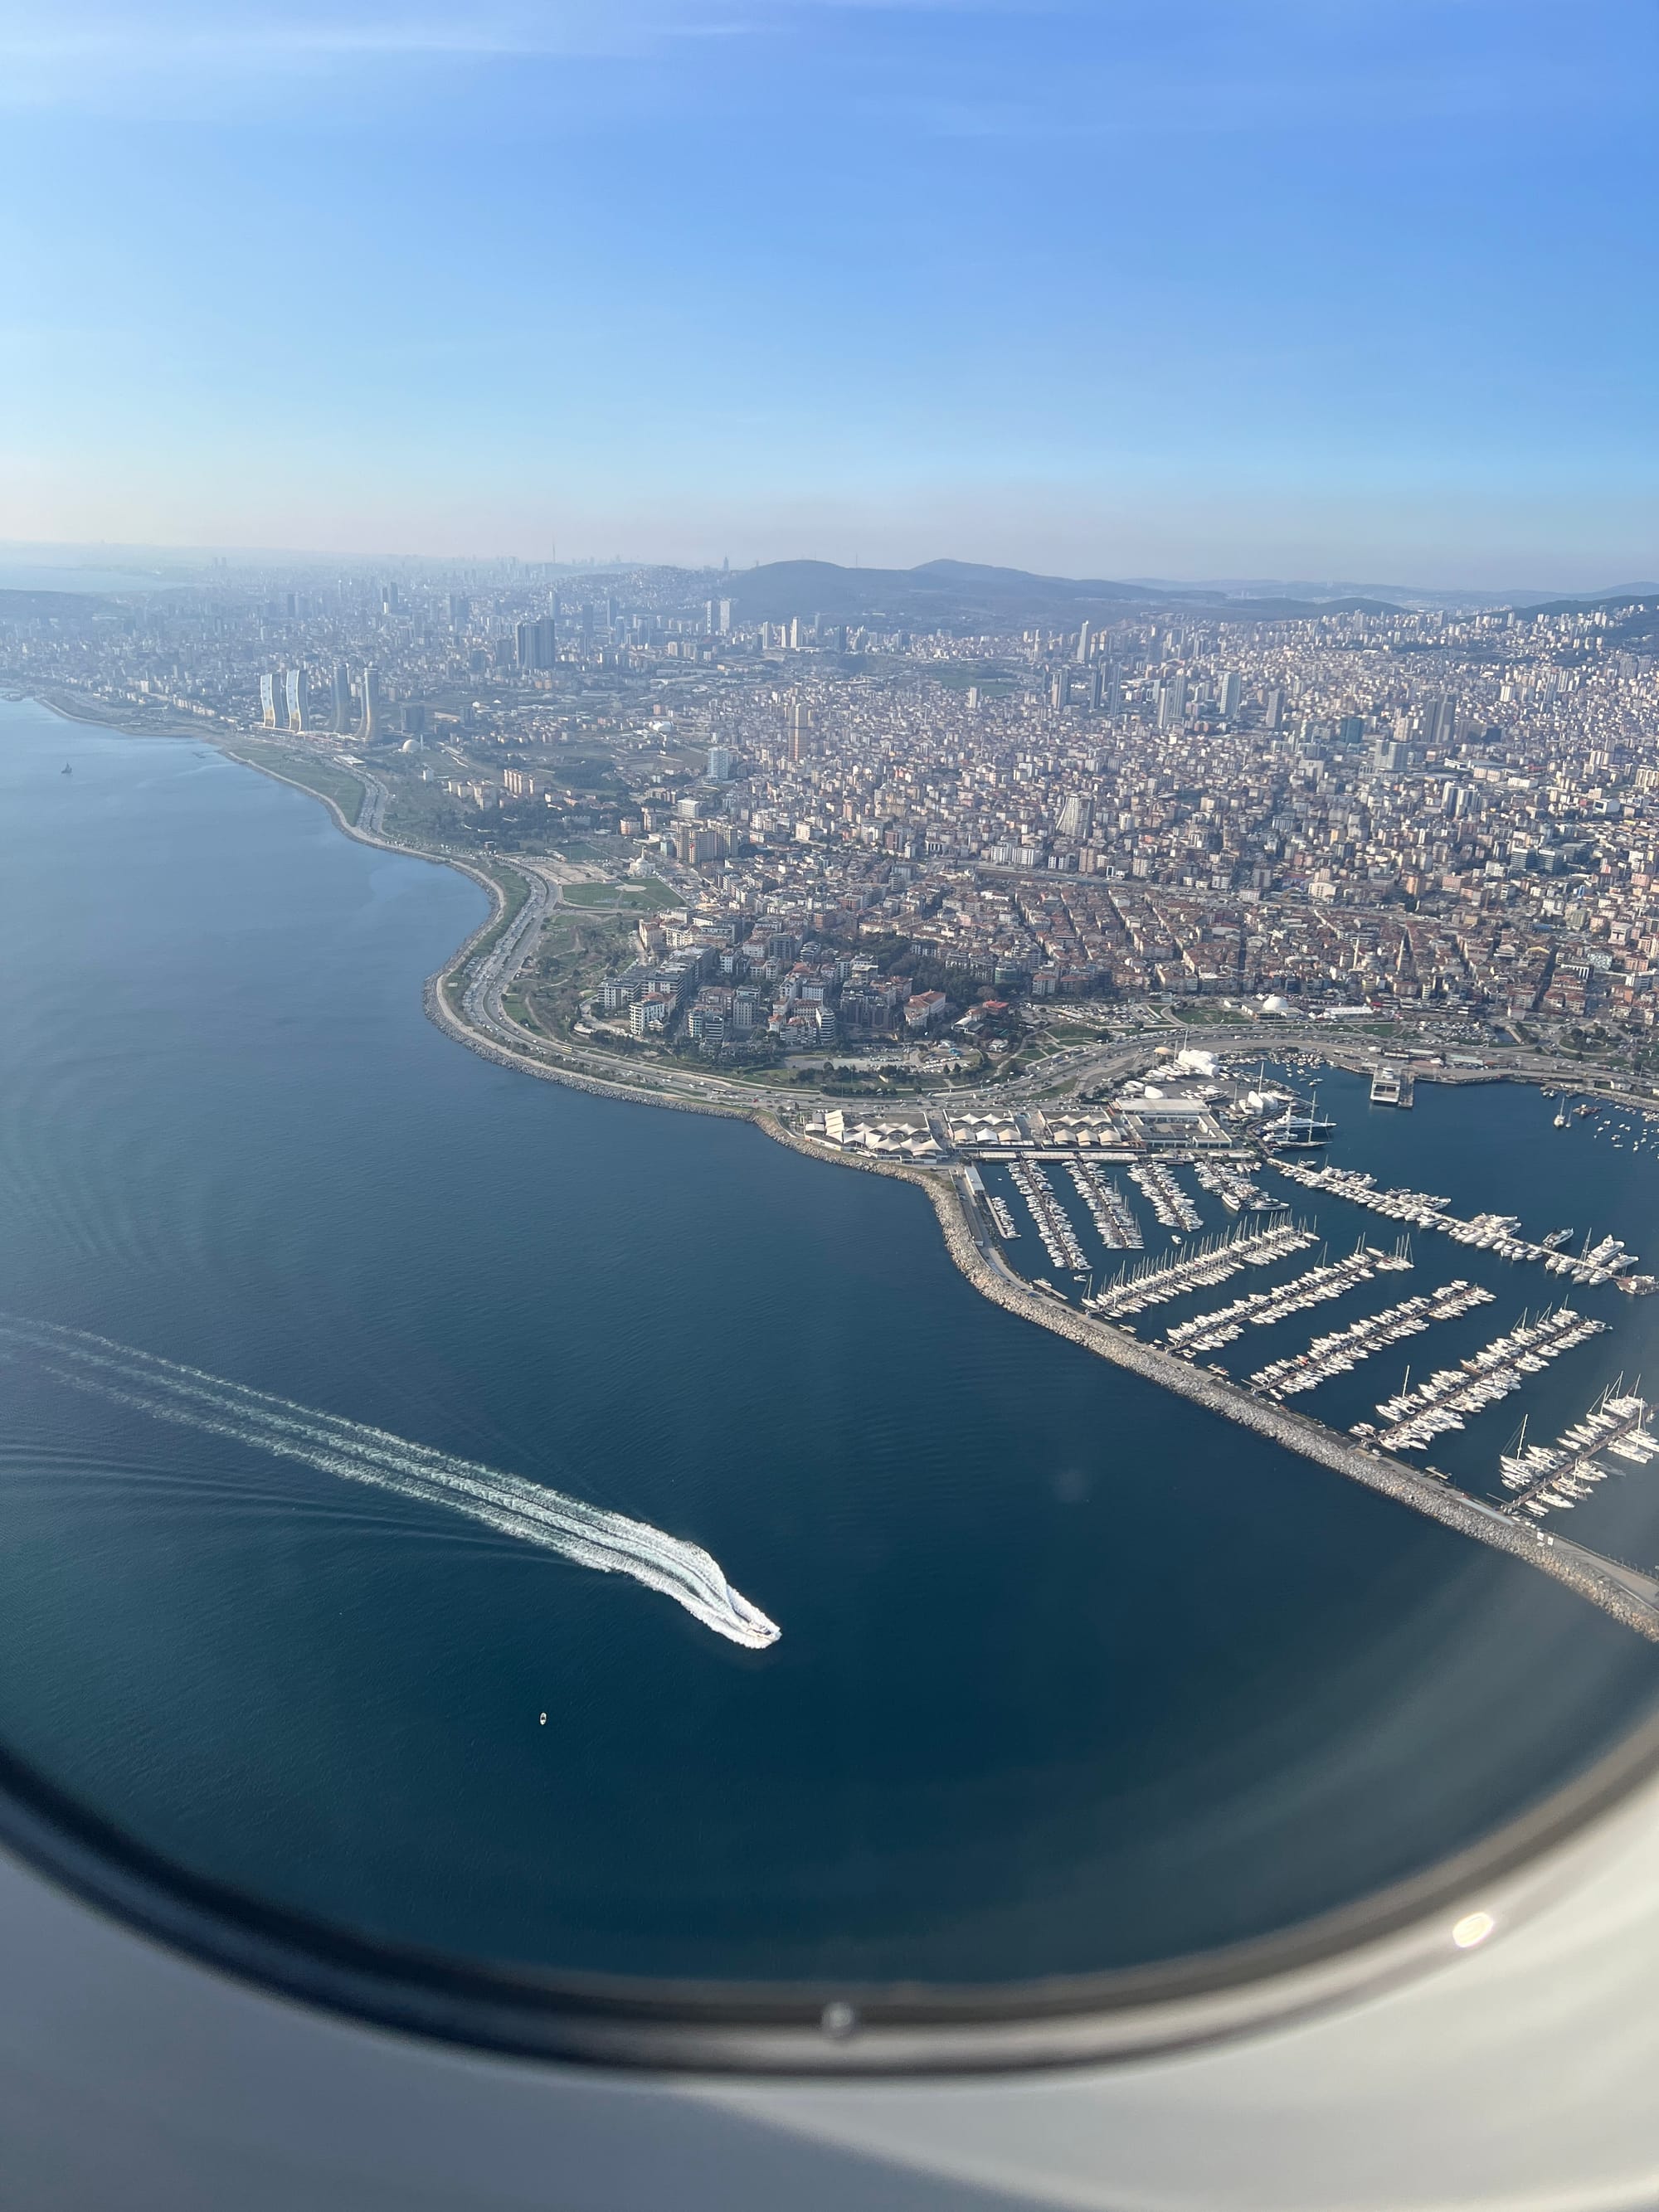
x=1641 y=598
x=965 y=595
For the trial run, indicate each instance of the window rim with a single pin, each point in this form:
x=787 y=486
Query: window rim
x=819 y=2028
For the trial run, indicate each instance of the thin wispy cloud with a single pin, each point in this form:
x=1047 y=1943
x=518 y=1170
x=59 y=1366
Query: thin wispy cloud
x=1179 y=67
x=74 y=55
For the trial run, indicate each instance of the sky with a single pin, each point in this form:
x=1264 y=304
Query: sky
x=1321 y=290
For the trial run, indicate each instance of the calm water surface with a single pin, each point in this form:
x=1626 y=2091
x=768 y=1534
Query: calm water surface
x=1071 y=1675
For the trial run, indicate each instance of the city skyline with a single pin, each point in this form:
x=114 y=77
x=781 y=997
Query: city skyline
x=1299 y=291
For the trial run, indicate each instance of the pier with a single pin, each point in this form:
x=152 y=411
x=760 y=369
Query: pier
x=1440 y=1403
x=1205 y=1332
x=1111 y=1212
x=1553 y=1478
x=1607 y=1262
x=1155 y=1282
x=1344 y=1349
x=1170 y=1205
x=1054 y=1225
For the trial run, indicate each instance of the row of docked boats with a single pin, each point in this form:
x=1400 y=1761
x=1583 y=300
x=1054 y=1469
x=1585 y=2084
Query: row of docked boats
x=1239 y=1193
x=1109 y=1209
x=1418 y=1208
x=1170 y=1205
x=1261 y=1309
x=1343 y=1350
x=1414 y=1417
x=1198 y=1267
x=1053 y=1224
x=1605 y=1261
x=1554 y=1478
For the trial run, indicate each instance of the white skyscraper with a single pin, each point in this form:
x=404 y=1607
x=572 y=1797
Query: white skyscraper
x=371 y=703
x=270 y=699
x=298 y=699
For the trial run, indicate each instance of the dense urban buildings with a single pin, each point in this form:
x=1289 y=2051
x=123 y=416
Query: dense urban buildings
x=873 y=836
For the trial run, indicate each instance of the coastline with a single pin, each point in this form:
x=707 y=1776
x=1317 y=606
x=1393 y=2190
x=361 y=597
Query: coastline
x=1628 y=1597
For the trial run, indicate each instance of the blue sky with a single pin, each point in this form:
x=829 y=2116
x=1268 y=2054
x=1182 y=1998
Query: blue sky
x=1295 y=287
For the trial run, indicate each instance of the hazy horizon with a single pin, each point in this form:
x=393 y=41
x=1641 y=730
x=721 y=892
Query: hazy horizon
x=72 y=557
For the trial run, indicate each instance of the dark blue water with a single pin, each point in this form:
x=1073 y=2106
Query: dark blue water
x=1071 y=1674
x=52 y=576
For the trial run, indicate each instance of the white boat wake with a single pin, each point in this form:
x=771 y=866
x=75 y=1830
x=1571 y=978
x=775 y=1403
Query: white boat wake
x=609 y=1542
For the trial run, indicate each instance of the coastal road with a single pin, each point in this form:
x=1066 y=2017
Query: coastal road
x=371 y=815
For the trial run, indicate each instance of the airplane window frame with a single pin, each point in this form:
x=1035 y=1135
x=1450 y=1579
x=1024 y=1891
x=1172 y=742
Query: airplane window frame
x=828 y=2029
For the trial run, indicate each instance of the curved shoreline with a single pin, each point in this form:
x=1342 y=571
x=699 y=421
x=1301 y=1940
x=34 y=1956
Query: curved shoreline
x=1634 y=1602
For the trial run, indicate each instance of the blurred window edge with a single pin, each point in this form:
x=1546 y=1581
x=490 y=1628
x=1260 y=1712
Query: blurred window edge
x=836 y=2029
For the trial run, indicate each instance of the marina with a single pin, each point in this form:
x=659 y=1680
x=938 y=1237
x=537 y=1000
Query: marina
x=1129 y=1210
x=1279 y=1120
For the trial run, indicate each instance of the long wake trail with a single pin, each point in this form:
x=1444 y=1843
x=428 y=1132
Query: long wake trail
x=610 y=1543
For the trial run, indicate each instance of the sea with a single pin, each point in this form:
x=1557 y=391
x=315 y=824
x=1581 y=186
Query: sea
x=80 y=577
x=1070 y=1674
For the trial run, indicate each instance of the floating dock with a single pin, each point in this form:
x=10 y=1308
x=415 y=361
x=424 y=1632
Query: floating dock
x=1207 y=1332
x=1605 y=1261
x=1553 y=1478
x=1199 y=1269
x=1344 y=1349
x=1415 y=1416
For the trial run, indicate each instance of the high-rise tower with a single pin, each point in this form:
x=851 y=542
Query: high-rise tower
x=370 y=704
